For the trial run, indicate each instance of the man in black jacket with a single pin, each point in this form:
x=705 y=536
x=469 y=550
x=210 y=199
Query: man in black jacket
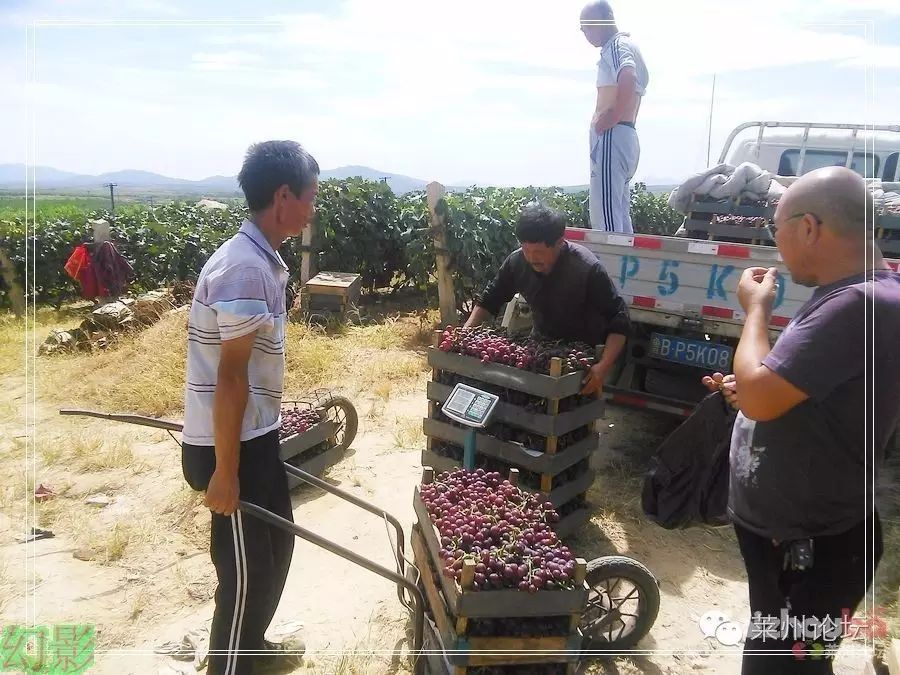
x=570 y=294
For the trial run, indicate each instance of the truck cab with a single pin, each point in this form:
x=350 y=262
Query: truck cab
x=793 y=149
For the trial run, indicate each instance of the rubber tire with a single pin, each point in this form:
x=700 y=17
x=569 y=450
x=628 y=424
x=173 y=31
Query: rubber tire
x=351 y=421
x=613 y=566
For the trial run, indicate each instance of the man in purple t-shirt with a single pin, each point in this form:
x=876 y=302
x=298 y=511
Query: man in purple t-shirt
x=817 y=411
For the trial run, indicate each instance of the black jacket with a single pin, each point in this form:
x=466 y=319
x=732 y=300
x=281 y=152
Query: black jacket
x=688 y=481
x=576 y=301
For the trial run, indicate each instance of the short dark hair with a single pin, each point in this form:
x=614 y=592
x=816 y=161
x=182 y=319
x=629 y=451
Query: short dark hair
x=271 y=164
x=539 y=224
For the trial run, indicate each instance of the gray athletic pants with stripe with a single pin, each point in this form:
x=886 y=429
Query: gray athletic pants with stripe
x=251 y=557
x=614 y=159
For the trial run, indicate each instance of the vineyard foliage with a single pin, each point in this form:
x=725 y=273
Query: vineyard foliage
x=360 y=226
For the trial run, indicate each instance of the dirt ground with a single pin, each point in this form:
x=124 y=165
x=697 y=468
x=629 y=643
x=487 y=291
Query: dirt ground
x=137 y=566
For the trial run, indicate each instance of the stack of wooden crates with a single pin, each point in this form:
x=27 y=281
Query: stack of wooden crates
x=456 y=643
x=551 y=439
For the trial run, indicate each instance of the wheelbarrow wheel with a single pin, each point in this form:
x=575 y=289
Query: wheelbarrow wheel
x=623 y=603
x=341 y=411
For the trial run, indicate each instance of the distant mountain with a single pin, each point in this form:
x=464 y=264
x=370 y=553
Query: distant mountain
x=12 y=176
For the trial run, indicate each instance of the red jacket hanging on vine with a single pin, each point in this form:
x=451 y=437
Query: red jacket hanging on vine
x=80 y=267
x=113 y=271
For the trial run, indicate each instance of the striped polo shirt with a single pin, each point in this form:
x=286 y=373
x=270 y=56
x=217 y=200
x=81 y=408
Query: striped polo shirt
x=241 y=289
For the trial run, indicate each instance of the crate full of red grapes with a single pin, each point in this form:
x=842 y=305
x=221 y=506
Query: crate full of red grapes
x=542 y=425
x=307 y=440
x=500 y=586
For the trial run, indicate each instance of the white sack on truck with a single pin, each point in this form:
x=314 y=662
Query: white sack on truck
x=727 y=182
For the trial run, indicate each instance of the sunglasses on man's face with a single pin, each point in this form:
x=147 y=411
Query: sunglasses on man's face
x=773 y=226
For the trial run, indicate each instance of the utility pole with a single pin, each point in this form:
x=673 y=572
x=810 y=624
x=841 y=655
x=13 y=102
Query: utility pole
x=712 y=100
x=112 y=197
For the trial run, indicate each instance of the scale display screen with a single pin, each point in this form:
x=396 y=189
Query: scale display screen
x=470 y=406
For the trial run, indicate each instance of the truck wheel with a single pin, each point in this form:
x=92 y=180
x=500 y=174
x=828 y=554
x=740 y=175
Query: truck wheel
x=623 y=602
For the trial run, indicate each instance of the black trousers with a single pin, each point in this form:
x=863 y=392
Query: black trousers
x=251 y=557
x=843 y=567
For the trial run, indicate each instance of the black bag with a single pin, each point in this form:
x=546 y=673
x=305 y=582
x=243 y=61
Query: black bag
x=687 y=484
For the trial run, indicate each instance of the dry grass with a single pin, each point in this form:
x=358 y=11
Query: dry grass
x=371 y=369
x=408 y=432
x=13 y=336
x=313 y=357
x=383 y=391
x=144 y=372
x=83 y=452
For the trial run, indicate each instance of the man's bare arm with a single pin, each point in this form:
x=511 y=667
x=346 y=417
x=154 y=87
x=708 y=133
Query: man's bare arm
x=229 y=405
x=478 y=316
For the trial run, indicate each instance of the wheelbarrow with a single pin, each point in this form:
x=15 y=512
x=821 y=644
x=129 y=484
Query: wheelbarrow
x=606 y=625
x=414 y=602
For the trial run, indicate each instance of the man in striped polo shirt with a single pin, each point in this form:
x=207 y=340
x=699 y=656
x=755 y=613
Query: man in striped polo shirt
x=621 y=83
x=235 y=374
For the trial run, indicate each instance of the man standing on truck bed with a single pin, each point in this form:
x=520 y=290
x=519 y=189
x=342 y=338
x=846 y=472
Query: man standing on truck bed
x=232 y=411
x=622 y=80
x=570 y=294
x=817 y=411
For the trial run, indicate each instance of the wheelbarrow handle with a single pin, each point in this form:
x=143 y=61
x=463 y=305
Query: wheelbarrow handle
x=345 y=553
x=127 y=418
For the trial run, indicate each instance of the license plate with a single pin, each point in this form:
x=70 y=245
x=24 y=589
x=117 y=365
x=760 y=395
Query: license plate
x=708 y=355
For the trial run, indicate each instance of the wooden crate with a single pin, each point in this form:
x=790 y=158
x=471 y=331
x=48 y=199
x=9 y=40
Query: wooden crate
x=331 y=292
x=544 y=424
x=552 y=388
x=296 y=446
x=546 y=386
x=552 y=489
x=461 y=650
x=567 y=524
x=513 y=453
x=504 y=603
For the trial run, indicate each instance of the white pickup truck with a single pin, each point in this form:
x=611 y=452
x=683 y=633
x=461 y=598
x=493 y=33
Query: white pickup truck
x=681 y=291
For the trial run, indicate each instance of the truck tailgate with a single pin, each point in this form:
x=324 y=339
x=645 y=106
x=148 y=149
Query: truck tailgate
x=667 y=279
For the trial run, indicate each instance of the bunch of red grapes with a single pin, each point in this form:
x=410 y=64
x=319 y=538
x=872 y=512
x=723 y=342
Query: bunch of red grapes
x=492 y=346
x=487 y=345
x=505 y=531
x=295 y=421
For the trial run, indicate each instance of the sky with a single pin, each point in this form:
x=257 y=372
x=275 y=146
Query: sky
x=487 y=91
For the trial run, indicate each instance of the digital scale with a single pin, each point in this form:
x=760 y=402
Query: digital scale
x=473 y=408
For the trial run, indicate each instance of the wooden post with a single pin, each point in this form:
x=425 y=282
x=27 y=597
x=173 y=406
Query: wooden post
x=468 y=574
x=598 y=354
x=307 y=267
x=580 y=570
x=435 y=194
x=427 y=475
x=514 y=476
x=553 y=407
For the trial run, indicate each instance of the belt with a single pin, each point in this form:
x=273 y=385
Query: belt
x=627 y=124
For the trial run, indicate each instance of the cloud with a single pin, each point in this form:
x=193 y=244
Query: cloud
x=229 y=61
